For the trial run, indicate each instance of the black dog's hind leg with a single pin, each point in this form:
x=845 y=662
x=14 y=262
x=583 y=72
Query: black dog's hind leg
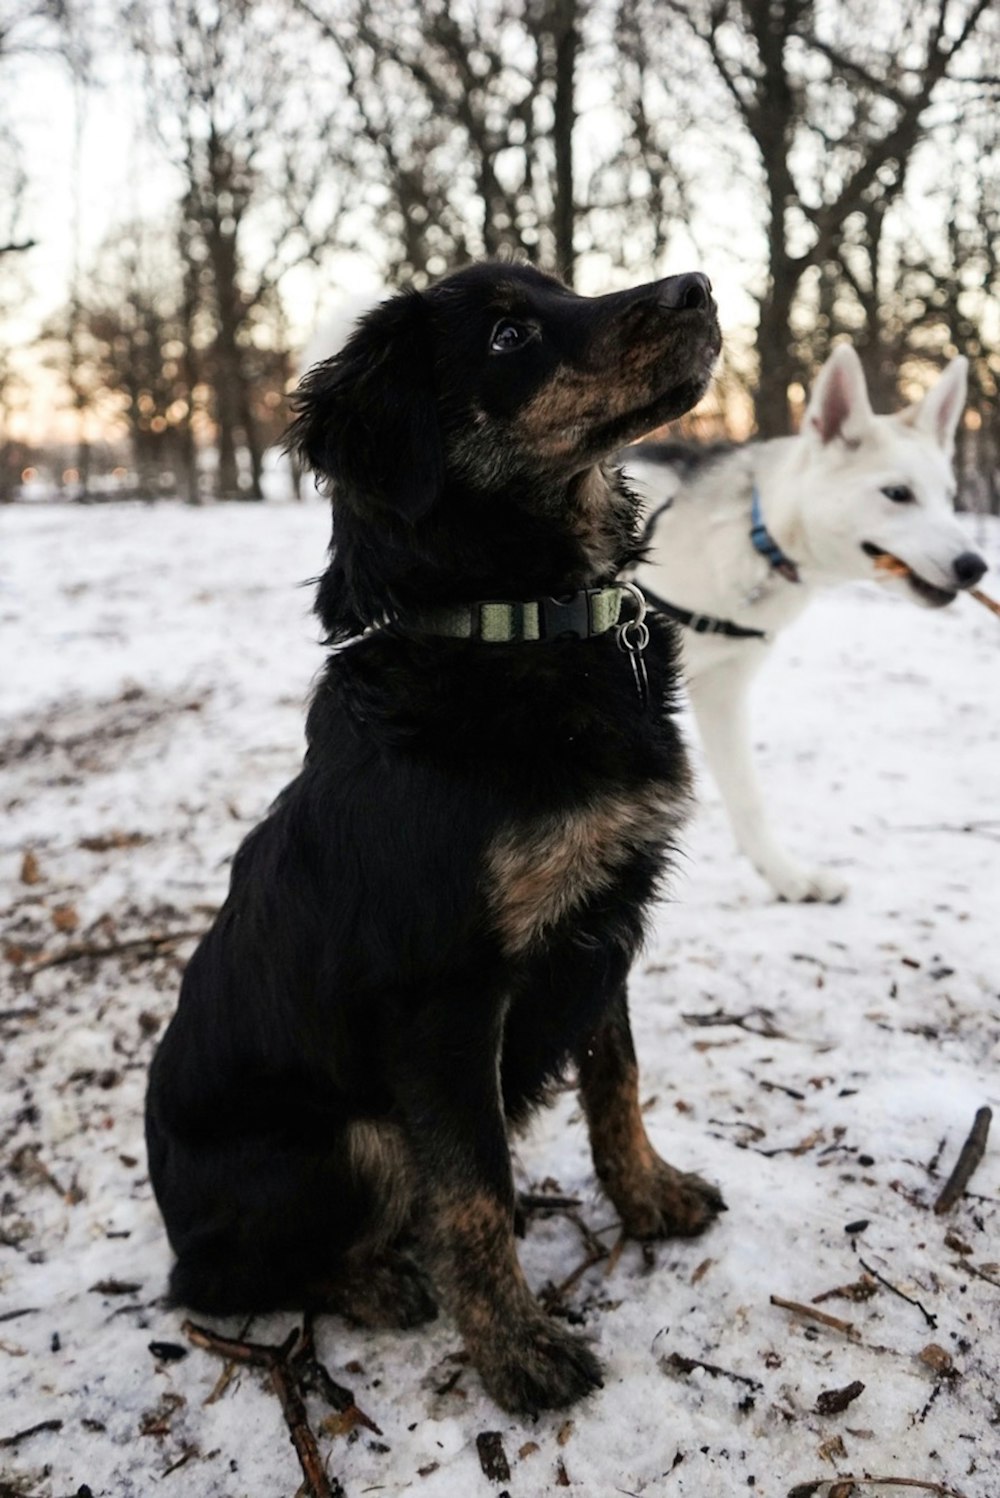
x=376 y=1281
x=652 y=1198
x=258 y=1227
x=449 y=1091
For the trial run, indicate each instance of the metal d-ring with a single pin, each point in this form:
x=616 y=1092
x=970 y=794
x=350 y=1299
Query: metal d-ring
x=638 y=598
x=633 y=634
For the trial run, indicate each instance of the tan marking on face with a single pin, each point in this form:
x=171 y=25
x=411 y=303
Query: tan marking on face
x=573 y=401
x=568 y=406
x=538 y=873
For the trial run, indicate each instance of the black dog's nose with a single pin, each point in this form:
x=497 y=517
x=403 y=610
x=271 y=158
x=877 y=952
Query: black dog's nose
x=968 y=568
x=693 y=290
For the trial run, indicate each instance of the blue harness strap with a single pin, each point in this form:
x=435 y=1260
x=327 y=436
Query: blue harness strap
x=765 y=543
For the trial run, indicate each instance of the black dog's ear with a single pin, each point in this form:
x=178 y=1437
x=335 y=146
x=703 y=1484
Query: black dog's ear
x=366 y=419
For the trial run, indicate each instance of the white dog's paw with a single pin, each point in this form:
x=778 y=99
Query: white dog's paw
x=800 y=884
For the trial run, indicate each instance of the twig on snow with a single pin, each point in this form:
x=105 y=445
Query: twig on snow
x=280 y=1363
x=156 y=942
x=764 y=1025
x=971 y=1153
x=32 y=1430
x=554 y=1295
x=616 y=1252
x=979 y=1274
x=536 y=1201
x=838 y=1484
x=928 y=1316
x=810 y=1313
x=314 y=1377
x=681 y=1364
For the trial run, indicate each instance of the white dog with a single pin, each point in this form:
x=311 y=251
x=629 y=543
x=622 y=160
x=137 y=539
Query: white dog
x=740 y=537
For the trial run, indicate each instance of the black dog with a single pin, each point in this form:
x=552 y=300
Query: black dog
x=440 y=912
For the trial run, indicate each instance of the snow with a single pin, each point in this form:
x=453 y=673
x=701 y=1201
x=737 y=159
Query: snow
x=156 y=661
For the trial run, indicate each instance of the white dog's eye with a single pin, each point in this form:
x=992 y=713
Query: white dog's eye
x=508 y=335
x=899 y=494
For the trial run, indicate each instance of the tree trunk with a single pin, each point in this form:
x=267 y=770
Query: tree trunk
x=252 y=440
x=226 y=374
x=567 y=42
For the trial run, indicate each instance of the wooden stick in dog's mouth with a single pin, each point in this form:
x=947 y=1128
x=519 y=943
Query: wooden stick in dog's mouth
x=891 y=566
x=985 y=600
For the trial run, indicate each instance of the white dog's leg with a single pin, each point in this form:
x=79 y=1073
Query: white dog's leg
x=719 y=700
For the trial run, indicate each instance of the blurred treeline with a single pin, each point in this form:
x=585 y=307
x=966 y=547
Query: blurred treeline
x=840 y=161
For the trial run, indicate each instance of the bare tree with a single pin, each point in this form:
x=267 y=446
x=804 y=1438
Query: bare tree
x=835 y=101
x=234 y=104
x=28 y=28
x=463 y=125
x=133 y=340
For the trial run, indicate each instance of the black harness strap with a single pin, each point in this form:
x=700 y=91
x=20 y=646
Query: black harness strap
x=703 y=624
x=652 y=518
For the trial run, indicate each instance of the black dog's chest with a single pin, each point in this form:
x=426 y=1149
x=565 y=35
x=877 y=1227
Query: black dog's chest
x=540 y=871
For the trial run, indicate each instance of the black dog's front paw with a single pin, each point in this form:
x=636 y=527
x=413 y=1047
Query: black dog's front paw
x=537 y=1366
x=662 y=1202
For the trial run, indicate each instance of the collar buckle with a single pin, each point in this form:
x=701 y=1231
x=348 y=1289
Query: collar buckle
x=567 y=618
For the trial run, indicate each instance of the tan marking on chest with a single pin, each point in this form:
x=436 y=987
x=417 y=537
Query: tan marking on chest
x=540 y=871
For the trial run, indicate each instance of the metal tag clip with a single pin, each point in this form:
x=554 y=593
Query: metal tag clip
x=633 y=637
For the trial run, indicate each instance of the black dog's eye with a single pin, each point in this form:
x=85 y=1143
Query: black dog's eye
x=507 y=336
x=899 y=494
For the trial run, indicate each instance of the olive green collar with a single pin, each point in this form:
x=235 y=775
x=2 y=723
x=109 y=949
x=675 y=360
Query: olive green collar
x=575 y=616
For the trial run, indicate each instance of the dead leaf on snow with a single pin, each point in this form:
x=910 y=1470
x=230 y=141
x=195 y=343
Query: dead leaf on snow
x=832 y=1450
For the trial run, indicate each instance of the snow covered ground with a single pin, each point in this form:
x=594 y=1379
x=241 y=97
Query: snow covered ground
x=823 y=1064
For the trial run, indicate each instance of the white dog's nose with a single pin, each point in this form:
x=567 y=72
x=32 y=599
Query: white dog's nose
x=968 y=569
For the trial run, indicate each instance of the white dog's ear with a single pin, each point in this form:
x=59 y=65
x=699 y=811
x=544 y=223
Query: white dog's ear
x=839 y=404
x=940 y=411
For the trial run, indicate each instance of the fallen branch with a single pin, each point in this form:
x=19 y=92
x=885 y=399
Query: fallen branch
x=809 y=1313
x=766 y=1026
x=928 y=1316
x=530 y=1201
x=615 y=1254
x=681 y=1364
x=971 y=1153
x=978 y=1274
x=280 y=1365
x=32 y=1430
x=986 y=828
x=314 y=1377
x=862 y=1289
x=182 y=1460
x=813 y=1489
x=155 y=941
x=553 y=1295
